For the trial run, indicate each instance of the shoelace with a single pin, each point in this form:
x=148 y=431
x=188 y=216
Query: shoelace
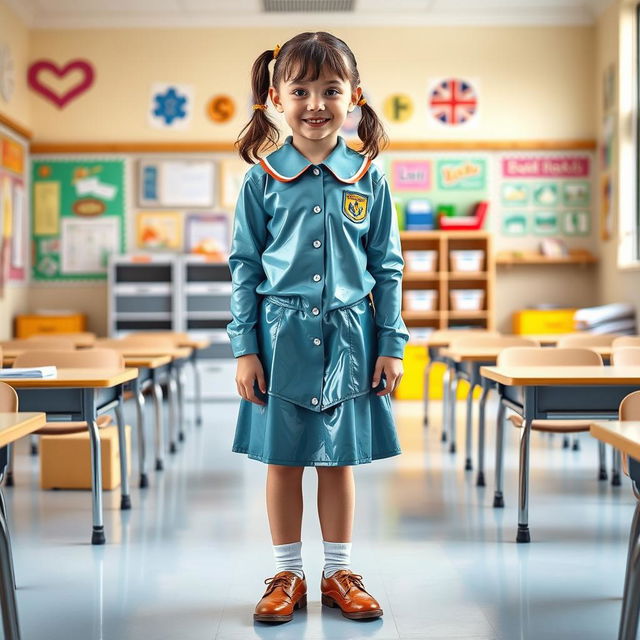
x=278 y=581
x=350 y=580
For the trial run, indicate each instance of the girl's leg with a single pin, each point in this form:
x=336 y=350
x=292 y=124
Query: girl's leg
x=336 y=501
x=284 y=503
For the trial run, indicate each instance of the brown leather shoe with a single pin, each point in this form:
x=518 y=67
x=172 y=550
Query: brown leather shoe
x=344 y=589
x=285 y=593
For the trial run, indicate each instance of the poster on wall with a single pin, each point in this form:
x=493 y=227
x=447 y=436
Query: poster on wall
x=176 y=183
x=453 y=102
x=208 y=234
x=77 y=217
x=160 y=230
x=545 y=194
x=171 y=106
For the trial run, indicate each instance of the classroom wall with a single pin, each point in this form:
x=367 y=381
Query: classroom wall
x=18 y=109
x=615 y=284
x=535 y=83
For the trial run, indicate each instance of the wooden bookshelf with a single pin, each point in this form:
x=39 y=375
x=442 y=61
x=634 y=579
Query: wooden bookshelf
x=577 y=256
x=443 y=279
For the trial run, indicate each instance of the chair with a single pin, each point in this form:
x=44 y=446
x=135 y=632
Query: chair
x=585 y=340
x=444 y=335
x=625 y=356
x=630 y=410
x=626 y=341
x=489 y=341
x=38 y=343
x=538 y=357
x=8 y=404
x=86 y=359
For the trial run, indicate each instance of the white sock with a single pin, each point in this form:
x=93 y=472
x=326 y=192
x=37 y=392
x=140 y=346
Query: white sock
x=289 y=558
x=337 y=556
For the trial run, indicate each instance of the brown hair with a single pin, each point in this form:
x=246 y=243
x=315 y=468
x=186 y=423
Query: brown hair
x=303 y=58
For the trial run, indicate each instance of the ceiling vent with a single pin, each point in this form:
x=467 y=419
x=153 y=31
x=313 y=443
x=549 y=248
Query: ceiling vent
x=308 y=6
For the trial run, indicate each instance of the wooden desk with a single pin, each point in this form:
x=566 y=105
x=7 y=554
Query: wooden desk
x=81 y=340
x=175 y=381
x=82 y=395
x=554 y=393
x=625 y=436
x=13 y=426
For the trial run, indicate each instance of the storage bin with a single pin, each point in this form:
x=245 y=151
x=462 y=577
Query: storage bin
x=467 y=260
x=424 y=261
x=467 y=299
x=420 y=300
x=28 y=325
x=543 y=321
x=65 y=461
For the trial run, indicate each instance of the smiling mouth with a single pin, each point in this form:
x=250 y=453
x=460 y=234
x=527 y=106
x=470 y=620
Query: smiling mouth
x=316 y=120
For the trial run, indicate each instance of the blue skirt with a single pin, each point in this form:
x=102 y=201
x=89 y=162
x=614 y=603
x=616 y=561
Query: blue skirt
x=355 y=431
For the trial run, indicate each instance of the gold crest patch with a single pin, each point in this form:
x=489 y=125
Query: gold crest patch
x=354 y=206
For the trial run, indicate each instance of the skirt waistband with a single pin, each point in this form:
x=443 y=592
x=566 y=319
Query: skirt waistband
x=300 y=304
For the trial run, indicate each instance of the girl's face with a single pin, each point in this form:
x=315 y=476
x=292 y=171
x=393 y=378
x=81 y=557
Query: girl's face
x=315 y=110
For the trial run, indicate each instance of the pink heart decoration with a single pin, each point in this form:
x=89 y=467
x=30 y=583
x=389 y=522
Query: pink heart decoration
x=47 y=66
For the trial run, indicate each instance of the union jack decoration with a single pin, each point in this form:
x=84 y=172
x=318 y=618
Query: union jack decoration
x=453 y=102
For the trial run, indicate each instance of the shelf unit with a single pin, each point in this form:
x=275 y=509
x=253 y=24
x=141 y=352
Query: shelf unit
x=576 y=256
x=444 y=280
x=185 y=293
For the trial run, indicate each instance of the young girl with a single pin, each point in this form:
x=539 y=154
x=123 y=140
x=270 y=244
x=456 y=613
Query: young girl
x=315 y=233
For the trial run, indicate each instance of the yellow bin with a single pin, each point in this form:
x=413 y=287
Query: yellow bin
x=543 y=321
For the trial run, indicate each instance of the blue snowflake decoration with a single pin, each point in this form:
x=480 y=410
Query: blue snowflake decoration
x=170 y=106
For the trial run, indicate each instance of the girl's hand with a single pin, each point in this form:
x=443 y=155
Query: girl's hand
x=249 y=370
x=392 y=370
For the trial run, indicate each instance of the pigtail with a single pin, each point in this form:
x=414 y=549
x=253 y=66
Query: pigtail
x=371 y=132
x=260 y=129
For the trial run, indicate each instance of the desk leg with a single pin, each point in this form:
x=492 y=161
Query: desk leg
x=10 y=456
x=198 y=389
x=159 y=432
x=498 y=496
x=427 y=378
x=89 y=416
x=446 y=387
x=481 y=432
x=602 y=454
x=180 y=382
x=631 y=598
x=173 y=412
x=468 y=466
x=142 y=435
x=453 y=393
x=8 y=601
x=3 y=511
x=125 y=496
x=615 y=468
x=523 y=493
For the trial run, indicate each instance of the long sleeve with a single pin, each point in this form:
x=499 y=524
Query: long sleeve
x=245 y=264
x=385 y=264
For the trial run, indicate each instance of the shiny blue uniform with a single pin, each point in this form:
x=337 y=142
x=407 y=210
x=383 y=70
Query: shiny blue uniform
x=310 y=244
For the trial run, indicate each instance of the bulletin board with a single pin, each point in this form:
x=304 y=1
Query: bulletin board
x=78 y=217
x=13 y=210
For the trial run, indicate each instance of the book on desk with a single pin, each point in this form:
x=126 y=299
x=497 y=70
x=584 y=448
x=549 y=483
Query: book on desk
x=29 y=372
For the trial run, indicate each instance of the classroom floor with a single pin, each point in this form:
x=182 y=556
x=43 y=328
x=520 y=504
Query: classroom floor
x=188 y=562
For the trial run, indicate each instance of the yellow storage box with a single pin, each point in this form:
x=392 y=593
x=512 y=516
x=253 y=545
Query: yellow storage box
x=543 y=321
x=28 y=325
x=65 y=461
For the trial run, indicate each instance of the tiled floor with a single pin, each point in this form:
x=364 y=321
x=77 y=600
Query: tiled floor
x=187 y=562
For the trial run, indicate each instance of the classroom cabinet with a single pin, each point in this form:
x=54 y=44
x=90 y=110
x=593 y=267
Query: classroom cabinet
x=448 y=281
x=185 y=293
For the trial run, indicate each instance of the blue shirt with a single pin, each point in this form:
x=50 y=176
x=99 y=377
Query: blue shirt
x=325 y=234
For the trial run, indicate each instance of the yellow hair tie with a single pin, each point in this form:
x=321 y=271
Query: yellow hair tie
x=276 y=51
x=361 y=102
x=262 y=107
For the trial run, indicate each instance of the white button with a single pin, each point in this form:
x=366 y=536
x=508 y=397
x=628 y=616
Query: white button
x=316 y=341
x=316 y=172
x=316 y=277
x=315 y=311
x=317 y=209
x=314 y=401
x=316 y=243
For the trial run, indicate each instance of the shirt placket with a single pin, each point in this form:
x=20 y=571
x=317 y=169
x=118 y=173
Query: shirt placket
x=317 y=279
